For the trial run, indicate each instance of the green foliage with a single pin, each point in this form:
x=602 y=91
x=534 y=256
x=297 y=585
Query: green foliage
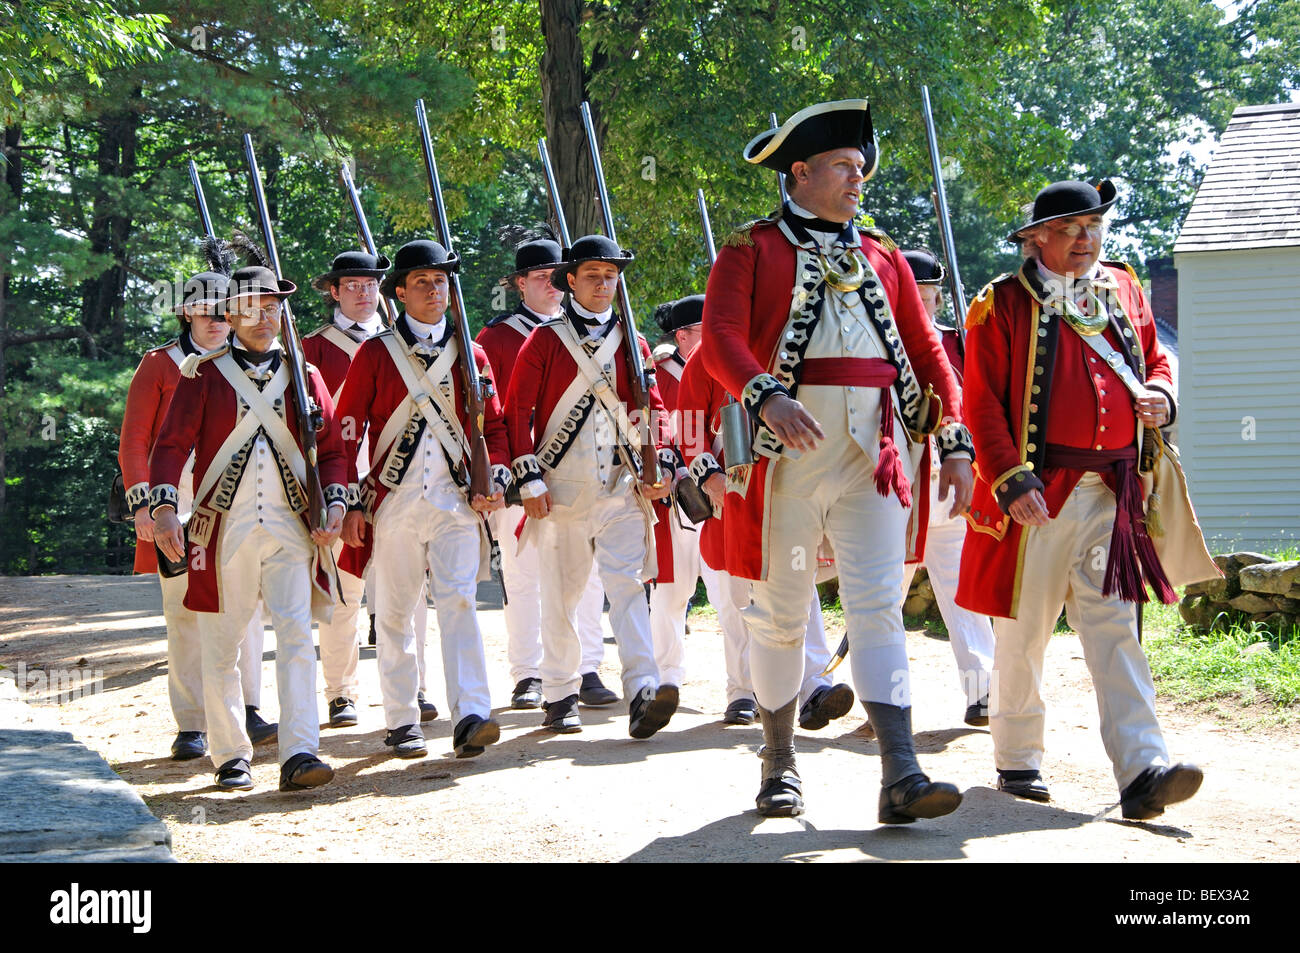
x=44 y=41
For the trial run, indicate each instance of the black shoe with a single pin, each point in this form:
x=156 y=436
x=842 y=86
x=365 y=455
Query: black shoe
x=1028 y=785
x=407 y=741
x=650 y=710
x=562 y=716
x=916 y=796
x=825 y=705
x=343 y=713
x=977 y=715
x=743 y=711
x=259 y=730
x=428 y=711
x=527 y=694
x=473 y=734
x=370 y=640
x=593 y=692
x=234 y=775
x=781 y=796
x=189 y=745
x=304 y=771
x=1158 y=787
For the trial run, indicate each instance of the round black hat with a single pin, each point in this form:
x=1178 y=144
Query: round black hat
x=926 y=268
x=414 y=256
x=257 y=280
x=1066 y=199
x=207 y=287
x=534 y=255
x=842 y=124
x=589 y=248
x=683 y=313
x=352 y=264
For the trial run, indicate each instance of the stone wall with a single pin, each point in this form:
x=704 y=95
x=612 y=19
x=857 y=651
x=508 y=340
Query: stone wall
x=1254 y=588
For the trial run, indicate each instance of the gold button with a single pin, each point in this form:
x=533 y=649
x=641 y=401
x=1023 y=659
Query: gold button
x=1045 y=318
x=1033 y=408
x=1032 y=447
x=1004 y=487
x=1128 y=333
x=1033 y=428
x=1029 y=464
x=1103 y=427
x=1098 y=446
x=1020 y=478
x=1037 y=389
x=1042 y=332
x=1038 y=370
x=1042 y=350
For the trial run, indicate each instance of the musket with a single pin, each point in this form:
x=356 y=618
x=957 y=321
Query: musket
x=309 y=416
x=476 y=392
x=946 y=242
x=204 y=218
x=780 y=176
x=710 y=249
x=642 y=376
x=553 y=192
x=367 y=240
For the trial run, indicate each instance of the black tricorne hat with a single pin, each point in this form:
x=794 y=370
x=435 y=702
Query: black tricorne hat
x=414 y=256
x=207 y=287
x=1066 y=199
x=256 y=280
x=534 y=255
x=589 y=248
x=682 y=313
x=352 y=264
x=845 y=123
x=926 y=268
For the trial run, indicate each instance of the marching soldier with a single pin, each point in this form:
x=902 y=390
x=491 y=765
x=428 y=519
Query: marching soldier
x=576 y=456
x=203 y=329
x=1064 y=379
x=251 y=529
x=502 y=338
x=405 y=387
x=970 y=633
x=817 y=326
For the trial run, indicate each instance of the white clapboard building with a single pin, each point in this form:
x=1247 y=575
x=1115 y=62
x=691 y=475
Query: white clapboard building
x=1238 y=261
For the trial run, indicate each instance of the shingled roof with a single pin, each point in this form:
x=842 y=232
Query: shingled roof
x=1250 y=196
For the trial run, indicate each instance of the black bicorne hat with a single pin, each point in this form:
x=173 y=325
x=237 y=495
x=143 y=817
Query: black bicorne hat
x=207 y=287
x=926 y=268
x=845 y=123
x=352 y=264
x=534 y=255
x=256 y=280
x=414 y=256
x=589 y=248
x=683 y=313
x=1064 y=200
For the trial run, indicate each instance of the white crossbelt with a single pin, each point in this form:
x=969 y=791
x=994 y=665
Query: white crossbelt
x=422 y=392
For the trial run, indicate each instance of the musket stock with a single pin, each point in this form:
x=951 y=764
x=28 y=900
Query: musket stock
x=641 y=376
x=480 y=469
x=310 y=418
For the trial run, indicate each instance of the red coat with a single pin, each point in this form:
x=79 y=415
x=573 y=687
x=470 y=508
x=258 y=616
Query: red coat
x=203 y=412
x=1076 y=401
x=147 y=401
x=746 y=310
x=373 y=389
x=330 y=359
x=543 y=371
x=699 y=438
x=502 y=341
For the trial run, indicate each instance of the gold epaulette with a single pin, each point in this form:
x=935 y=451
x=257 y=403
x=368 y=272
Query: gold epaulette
x=880 y=235
x=1127 y=267
x=190 y=366
x=979 y=309
x=741 y=235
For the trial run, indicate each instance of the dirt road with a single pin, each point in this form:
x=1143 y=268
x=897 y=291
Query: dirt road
x=686 y=794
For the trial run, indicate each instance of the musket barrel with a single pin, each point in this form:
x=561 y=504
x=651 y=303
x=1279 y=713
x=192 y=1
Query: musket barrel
x=709 y=247
x=363 y=232
x=553 y=190
x=945 y=220
x=204 y=218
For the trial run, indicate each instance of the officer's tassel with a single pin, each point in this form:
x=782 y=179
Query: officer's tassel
x=889 y=465
x=1132 y=554
x=1154 y=526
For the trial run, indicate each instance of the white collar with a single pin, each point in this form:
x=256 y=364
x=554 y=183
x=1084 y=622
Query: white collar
x=427 y=332
x=534 y=316
x=344 y=323
x=598 y=316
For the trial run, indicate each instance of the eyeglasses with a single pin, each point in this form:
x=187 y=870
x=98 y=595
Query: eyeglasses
x=1075 y=229
x=357 y=287
x=270 y=312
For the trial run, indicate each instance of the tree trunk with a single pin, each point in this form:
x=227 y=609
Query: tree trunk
x=14 y=180
x=103 y=297
x=564 y=86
